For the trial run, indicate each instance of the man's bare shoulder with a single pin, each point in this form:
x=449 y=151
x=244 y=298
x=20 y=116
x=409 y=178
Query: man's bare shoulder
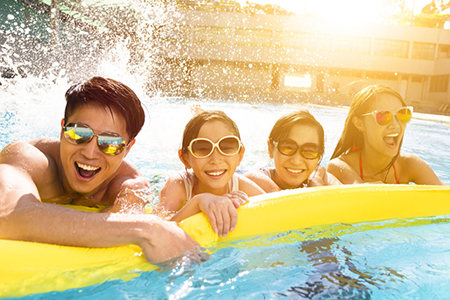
x=26 y=156
x=49 y=146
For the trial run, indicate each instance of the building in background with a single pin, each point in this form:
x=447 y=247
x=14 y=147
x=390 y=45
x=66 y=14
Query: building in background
x=249 y=56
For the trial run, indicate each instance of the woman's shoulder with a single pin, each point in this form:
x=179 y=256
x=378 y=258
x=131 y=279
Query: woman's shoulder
x=405 y=159
x=345 y=168
x=411 y=168
x=347 y=160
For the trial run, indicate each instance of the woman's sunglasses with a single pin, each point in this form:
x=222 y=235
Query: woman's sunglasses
x=384 y=117
x=289 y=147
x=109 y=143
x=228 y=145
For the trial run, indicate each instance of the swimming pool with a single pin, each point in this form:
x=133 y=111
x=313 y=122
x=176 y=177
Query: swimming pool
x=407 y=262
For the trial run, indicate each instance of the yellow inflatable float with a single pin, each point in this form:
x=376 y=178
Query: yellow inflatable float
x=28 y=268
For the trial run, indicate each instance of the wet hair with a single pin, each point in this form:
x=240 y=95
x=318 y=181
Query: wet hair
x=284 y=124
x=351 y=137
x=195 y=124
x=110 y=94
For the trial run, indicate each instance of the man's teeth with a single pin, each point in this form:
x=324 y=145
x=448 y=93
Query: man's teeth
x=86 y=167
x=393 y=135
x=295 y=171
x=215 y=173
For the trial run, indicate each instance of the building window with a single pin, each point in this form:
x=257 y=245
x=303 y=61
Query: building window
x=253 y=37
x=439 y=84
x=417 y=78
x=212 y=35
x=443 y=51
x=303 y=40
x=391 y=48
x=423 y=51
x=349 y=44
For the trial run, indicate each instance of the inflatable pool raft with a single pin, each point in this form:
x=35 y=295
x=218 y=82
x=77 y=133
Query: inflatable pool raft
x=28 y=268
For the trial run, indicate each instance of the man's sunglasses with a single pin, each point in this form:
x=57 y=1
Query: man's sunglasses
x=228 y=145
x=109 y=143
x=384 y=117
x=289 y=147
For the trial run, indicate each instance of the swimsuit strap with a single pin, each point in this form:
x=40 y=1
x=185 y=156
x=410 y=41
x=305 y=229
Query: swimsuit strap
x=362 y=173
x=395 y=173
x=360 y=166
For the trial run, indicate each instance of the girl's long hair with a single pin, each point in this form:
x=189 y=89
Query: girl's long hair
x=351 y=137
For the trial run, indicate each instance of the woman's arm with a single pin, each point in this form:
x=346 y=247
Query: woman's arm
x=416 y=170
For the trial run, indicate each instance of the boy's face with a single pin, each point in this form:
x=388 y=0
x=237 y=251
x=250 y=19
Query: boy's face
x=87 y=169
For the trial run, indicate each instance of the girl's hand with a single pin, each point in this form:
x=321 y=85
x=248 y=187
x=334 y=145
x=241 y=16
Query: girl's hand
x=221 y=210
x=317 y=177
x=238 y=198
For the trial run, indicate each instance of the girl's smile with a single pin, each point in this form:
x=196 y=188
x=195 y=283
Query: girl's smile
x=214 y=171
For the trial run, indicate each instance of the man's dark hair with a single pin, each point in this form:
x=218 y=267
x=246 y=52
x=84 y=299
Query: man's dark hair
x=110 y=94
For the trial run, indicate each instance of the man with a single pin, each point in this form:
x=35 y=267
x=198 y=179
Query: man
x=85 y=166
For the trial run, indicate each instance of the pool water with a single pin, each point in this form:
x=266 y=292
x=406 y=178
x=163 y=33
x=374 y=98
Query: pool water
x=396 y=262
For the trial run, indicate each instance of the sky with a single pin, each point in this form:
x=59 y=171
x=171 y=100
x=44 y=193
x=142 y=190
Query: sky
x=354 y=10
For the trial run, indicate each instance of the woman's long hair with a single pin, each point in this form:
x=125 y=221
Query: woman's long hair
x=351 y=137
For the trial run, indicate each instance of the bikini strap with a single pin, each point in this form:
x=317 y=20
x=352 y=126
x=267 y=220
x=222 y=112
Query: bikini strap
x=395 y=173
x=360 y=166
x=362 y=173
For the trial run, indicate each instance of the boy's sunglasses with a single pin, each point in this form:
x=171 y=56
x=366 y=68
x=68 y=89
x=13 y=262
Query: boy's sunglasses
x=289 y=147
x=109 y=143
x=384 y=117
x=228 y=145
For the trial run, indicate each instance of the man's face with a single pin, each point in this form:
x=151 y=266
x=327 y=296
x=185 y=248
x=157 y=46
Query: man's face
x=87 y=169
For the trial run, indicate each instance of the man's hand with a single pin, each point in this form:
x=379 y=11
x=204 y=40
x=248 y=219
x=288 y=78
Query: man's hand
x=165 y=240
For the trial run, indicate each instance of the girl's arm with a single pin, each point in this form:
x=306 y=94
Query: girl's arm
x=250 y=187
x=220 y=210
x=171 y=197
x=263 y=181
x=321 y=177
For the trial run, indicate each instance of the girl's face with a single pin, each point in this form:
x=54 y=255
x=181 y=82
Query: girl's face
x=384 y=140
x=213 y=172
x=292 y=171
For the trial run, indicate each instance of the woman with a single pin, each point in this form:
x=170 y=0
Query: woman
x=296 y=144
x=369 y=147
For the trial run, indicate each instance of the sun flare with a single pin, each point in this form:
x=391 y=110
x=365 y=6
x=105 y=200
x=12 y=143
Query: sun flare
x=344 y=11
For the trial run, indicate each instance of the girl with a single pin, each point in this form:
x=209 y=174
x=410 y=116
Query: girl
x=211 y=151
x=296 y=144
x=369 y=147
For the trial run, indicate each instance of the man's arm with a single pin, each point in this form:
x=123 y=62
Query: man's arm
x=24 y=217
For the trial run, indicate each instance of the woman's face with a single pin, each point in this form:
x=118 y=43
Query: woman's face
x=384 y=140
x=292 y=171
